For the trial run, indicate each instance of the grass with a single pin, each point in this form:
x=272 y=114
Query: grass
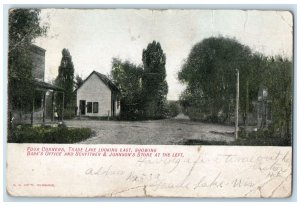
x=46 y=134
x=260 y=138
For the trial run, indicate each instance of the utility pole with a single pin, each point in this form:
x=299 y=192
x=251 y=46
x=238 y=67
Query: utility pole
x=237 y=105
x=247 y=106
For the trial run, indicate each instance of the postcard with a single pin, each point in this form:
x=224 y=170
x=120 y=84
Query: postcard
x=150 y=103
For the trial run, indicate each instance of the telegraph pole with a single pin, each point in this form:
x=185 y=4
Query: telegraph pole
x=237 y=105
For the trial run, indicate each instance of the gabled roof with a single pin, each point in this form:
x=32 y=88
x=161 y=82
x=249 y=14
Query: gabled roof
x=104 y=79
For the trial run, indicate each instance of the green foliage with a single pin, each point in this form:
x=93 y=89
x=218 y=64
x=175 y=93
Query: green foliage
x=79 y=81
x=43 y=134
x=24 y=27
x=210 y=75
x=143 y=91
x=155 y=87
x=259 y=138
x=196 y=113
x=278 y=80
x=69 y=112
x=251 y=80
x=173 y=108
x=127 y=78
x=65 y=80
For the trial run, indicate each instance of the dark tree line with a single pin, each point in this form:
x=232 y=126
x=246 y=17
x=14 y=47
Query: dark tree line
x=127 y=78
x=210 y=75
x=143 y=87
x=24 y=28
x=67 y=80
x=278 y=80
x=154 y=84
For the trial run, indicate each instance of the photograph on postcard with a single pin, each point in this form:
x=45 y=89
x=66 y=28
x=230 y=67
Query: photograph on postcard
x=155 y=103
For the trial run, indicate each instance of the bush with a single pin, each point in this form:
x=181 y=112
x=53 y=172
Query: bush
x=195 y=114
x=69 y=112
x=173 y=109
x=47 y=134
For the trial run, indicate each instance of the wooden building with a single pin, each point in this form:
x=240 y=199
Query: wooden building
x=98 y=96
x=41 y=89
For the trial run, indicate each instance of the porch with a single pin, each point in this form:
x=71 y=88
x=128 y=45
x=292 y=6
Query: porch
x=43 y=107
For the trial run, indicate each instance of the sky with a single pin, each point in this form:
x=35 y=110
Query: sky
x=95 y=36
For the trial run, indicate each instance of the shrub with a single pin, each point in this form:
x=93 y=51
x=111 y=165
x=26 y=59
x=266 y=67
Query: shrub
x=44 y=134
x=69 y=112
x=173 y=109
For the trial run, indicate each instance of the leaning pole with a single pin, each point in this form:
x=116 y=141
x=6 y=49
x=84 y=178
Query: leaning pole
x=237 y=105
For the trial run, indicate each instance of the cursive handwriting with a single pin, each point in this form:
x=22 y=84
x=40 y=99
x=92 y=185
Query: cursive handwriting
x=102 y=171
x=220 y=171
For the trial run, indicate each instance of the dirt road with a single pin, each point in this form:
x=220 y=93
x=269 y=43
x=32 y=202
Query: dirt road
x=156 y=132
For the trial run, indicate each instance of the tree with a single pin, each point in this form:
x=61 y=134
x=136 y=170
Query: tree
x=79 y=81
x=250 y=83
x=210 y=75
x=24 y=28
x=173 y=108
x=65 y=79
x=278 y=81
x=155 y=87
x=127 y=78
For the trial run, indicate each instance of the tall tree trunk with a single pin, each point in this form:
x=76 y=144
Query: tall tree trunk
x=247 y=106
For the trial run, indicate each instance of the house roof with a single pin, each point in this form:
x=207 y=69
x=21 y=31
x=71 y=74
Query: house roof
x=45 y=85
x=41 y=84
x=104 y=79
x=36 y=49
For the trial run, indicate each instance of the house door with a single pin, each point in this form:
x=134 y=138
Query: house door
x=82 y=107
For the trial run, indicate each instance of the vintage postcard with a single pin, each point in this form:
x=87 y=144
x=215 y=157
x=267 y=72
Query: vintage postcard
x=150 y=103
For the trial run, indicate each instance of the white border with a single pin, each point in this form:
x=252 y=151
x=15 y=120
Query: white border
x=144 y=4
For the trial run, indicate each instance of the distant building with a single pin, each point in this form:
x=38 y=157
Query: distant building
x=98 y=97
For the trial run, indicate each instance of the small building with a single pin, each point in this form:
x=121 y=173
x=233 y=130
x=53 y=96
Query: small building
x=98 y=96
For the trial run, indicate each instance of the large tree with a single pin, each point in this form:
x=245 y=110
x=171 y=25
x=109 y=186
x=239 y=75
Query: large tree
x=65 y=78
x=24 y=28
x=155 y=87
x=127 y=78
x=210 y=75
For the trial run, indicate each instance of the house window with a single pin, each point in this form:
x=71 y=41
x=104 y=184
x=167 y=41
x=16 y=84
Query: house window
x=95 y=107
x=89 y=107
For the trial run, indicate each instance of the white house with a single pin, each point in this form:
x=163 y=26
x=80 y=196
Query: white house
x=98 y=97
